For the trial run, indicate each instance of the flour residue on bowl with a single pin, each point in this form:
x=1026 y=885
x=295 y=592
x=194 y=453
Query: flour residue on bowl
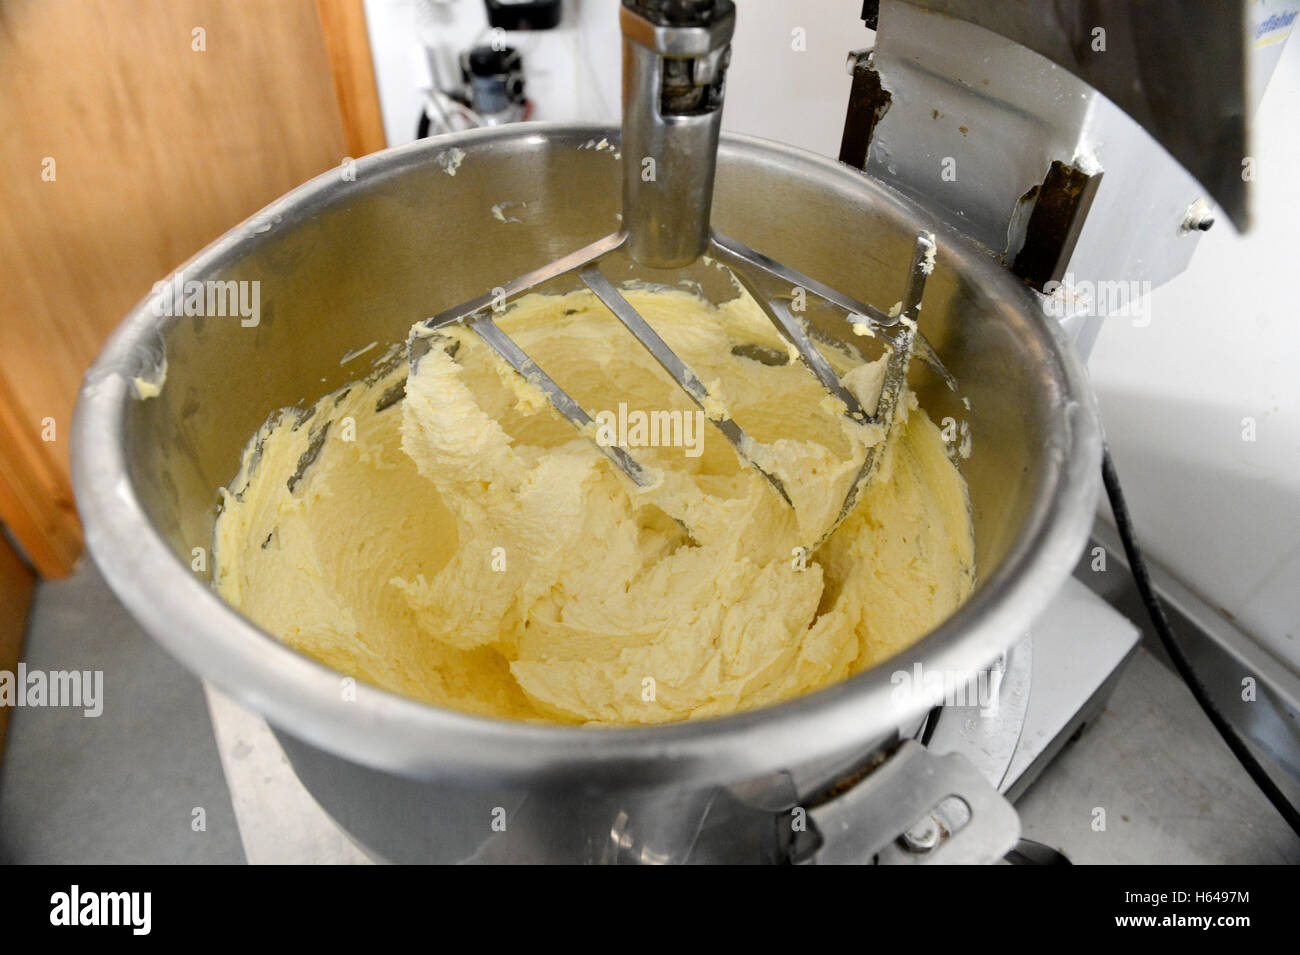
x=449 y=160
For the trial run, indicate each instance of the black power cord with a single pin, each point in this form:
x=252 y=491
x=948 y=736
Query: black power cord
x=1156 y=611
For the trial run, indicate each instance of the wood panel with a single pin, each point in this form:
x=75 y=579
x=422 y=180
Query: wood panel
x=348 y=44
x=35 y=494
x=16 y=586
x=167 y=121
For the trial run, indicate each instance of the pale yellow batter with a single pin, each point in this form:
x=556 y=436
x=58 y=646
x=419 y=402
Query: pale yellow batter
x=466 y=546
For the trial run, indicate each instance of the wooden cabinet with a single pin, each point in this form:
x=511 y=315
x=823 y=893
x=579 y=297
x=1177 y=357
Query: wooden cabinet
x=16 y=585
x=133 y=133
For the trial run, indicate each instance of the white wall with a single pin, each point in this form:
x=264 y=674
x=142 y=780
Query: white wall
x=574 y=71
x=1223 y=343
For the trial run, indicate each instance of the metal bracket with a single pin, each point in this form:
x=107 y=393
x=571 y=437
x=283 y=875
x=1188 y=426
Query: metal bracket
x=1060 y=206
x=868 y=103
x=916 y=808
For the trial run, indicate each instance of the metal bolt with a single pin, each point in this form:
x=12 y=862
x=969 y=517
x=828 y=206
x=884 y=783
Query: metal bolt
x=1199 y=218
x=922 y=836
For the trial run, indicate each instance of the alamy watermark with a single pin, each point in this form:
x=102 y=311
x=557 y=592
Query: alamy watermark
x=1104 y=299
x=81 y=689
x=926 y=686
x=133 y=910
x=651 y=429
x=209 y=299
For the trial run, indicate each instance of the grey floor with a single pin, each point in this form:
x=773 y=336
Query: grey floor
x=122 y=787
x=1168 y=789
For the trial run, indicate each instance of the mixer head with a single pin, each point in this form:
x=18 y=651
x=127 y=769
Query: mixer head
x=675 y=56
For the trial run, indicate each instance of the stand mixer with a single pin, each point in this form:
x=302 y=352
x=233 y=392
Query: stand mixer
x=410 y=782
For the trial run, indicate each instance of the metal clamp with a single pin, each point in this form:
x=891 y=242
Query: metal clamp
x=916 y=808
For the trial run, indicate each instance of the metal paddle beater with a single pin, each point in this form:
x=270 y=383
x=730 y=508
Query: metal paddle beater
x=675 y=56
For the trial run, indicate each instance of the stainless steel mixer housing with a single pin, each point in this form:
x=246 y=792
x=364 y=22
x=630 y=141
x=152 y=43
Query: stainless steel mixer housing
x=347 y=260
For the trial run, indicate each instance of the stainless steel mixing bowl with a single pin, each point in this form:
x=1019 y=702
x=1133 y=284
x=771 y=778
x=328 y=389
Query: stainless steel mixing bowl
x=345 y=261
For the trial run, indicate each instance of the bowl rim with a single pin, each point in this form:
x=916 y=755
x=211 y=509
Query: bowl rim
x=400 y=735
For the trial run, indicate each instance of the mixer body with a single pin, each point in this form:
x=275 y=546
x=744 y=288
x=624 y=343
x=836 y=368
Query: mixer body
x=342 y=263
